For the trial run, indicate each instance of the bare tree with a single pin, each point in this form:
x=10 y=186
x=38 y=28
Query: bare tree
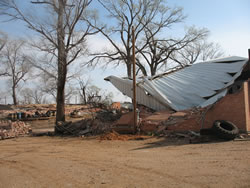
x=15 y=64
x=3 y=40
x=32 y=95
x=97 y=95
x=93 y=94
x=158 y=51
x=210 y=50
x=48 y=87
x=140 y=14
x=3 y=97
x=107 y=97
x=37 y=96
x=63 y=32
x=69 y=93
x=197 y=51
x=26 y=94
x=83 y=85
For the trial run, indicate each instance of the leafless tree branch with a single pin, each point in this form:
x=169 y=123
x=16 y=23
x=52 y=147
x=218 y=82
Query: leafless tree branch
x=62 y=33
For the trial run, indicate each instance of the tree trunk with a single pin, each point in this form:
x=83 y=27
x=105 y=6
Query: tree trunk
x=84 y=96
x=62 y=66
x=153 y=70
x=129 y=71
x=60 y=99
x=142 y=68
x=14 y=95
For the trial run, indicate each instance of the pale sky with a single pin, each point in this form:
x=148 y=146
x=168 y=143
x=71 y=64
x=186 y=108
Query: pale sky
x=227 y=20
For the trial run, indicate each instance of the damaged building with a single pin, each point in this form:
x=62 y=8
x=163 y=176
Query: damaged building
x=220 y=86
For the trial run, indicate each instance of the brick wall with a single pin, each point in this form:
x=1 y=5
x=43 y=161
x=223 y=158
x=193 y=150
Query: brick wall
x=187 y=125
x=233 y=107
x=247 y=104
x=230 y=108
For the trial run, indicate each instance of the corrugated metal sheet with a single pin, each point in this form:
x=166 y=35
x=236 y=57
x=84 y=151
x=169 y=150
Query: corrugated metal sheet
x=126 y=87
x=198 y=85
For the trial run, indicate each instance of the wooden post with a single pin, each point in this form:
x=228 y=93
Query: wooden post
x=248 y=60
x=248 y=55
x=134 y=80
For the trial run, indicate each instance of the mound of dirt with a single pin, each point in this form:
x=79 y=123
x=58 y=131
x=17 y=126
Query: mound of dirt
x=123 y=137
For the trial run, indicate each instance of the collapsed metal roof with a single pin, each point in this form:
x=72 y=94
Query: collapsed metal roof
x=198 y=85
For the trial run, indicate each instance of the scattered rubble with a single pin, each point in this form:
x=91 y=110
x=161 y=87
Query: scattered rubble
x=98 y=123
x=111 y=122
x=77 y=128
x=107 y=115
x=30 y=117
x=5 y=107
x=10 y=129
x=79 y=113
x=160 y=121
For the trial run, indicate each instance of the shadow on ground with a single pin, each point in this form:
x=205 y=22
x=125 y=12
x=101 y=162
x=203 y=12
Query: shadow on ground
x=166 y=142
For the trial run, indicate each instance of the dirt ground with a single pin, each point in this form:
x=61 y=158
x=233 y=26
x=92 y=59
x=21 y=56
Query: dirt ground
x=154 y=162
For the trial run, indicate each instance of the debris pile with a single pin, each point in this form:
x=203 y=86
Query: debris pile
x=27 y=112
x=79 y=113
x=102 y=122
x=5 y=107
x=160 y=122
x=120 y=119
x=10 y=129
x=107 y=115
x=113 y=121
x=85 y=111
x=77 y=128
x=28 y=116
x=5 y=110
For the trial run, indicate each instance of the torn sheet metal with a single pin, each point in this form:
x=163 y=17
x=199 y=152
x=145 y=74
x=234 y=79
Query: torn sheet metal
x=198 y=85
